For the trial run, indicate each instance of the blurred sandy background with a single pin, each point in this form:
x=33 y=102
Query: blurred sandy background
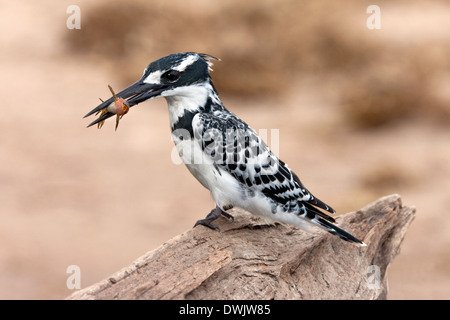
x=362 y=113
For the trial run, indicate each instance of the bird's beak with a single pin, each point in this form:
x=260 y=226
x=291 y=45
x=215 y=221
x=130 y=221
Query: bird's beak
x=136 y=93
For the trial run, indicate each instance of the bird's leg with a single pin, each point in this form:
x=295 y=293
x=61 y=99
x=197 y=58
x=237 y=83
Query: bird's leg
x=226 y=214
x=213 y=215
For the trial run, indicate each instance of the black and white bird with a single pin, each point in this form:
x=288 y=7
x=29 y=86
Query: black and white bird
x=221 y=151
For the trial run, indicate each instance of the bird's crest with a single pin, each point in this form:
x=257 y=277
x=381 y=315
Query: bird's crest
x=208 y=59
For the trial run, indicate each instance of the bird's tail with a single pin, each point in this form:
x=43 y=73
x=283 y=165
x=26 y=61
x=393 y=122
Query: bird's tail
x=331 y=228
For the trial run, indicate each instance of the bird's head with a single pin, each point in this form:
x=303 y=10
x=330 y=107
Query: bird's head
x=168 y=77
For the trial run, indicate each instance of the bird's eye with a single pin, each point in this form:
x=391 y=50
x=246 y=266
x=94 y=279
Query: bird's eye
x=172 y=75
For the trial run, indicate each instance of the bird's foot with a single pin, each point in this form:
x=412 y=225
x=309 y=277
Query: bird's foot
x=213 y=215
x=205 y=222
x=227 y=215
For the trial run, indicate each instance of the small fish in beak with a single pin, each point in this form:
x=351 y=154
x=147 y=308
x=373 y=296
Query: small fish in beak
x=119 y=107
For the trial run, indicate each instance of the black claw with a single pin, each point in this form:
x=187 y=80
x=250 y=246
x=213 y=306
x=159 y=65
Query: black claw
x=206 y=223
x=213 y=215
x=227 y=215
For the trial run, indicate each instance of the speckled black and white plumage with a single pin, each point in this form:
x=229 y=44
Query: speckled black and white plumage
x=225 y=155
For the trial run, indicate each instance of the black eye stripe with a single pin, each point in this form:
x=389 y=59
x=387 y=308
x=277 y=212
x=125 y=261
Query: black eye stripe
x=171 y=75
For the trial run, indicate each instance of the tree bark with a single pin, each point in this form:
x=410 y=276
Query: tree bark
x=252 y=258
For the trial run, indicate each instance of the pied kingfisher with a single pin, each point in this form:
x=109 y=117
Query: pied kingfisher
x=220 y=150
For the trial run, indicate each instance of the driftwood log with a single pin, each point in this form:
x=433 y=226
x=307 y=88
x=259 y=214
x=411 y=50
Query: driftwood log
x=251 y=258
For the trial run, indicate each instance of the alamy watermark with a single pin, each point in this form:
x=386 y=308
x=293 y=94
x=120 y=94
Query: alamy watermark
x=373 y=279
x=74 y=20
x=74 y=280
x=373 y=22
x=229 y=147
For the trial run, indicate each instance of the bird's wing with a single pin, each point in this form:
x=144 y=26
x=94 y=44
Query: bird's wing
x=237 y=149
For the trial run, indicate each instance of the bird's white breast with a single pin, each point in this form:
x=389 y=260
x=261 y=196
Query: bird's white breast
x=223 y=187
